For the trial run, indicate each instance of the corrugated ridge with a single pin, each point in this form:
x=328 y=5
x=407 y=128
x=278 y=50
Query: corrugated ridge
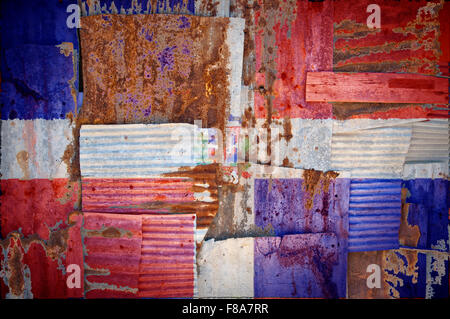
x=372 y=153
x=429 y=141
x=374 y=214
x=143 y=150
x=166 y=269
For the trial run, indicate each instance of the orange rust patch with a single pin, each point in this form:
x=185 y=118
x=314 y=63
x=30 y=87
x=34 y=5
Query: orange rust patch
x=408 y=235
x=315 y=182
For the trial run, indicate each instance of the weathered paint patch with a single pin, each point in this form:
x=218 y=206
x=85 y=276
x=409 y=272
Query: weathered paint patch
x=35 y=148
x=35 y=267
x=425 y=214
x=226 y=268
x=296 y=266
x=410 y=40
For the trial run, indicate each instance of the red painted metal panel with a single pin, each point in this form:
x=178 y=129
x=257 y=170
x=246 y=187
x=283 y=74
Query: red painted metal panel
x=412 y=38
x=375 y=87
x=112 y=246
x=290 y=38
x=168 y=256
x=33 y=205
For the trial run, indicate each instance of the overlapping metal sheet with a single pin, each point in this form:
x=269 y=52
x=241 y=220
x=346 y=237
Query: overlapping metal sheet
x=370 y=148
x=143 y=151
x=411 y=39
x=374 y=214
x=163 y=168
x=166 y=268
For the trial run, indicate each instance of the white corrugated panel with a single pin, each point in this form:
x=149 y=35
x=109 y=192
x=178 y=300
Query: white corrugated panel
x=35 y=148
x=429 y=141
x=143 y=150
x=370 y=148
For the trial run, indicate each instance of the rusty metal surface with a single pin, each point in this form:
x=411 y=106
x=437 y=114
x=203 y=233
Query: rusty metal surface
x=34 y=265
x=374 y=214
x=112 y=253
x=168 y=251
x=170 y=79
x=370 y=148
x=412 y=38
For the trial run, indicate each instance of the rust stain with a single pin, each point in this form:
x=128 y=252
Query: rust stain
x=171 y=65
x=408 y=235
x=286 y=162
x=315 y=182
x=16 y=279
x=22 y=159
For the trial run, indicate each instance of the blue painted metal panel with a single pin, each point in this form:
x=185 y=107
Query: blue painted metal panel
x=38 y=60
x=428 y=209
x=374 y=214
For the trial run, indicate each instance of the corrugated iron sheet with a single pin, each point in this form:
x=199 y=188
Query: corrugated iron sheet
x=374 y=214
x=226 y=268
x=168 y=251
x=150 y=169
x=112 y=253
x=370 y=148
x=429 y=142
x=143 y=151
x=36 y=149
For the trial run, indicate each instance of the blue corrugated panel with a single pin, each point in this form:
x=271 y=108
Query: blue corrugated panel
x=374 y=214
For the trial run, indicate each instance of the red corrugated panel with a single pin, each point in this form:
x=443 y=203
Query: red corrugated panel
x=168 y=256
x=112 y=246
